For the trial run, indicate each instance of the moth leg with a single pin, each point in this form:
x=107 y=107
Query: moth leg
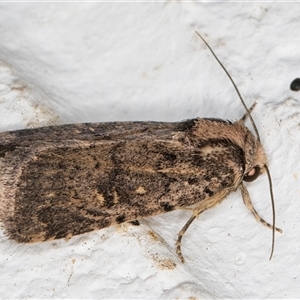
x=246 y=115
x=248 y=203
x=180 y=235
x=196 y=213
x=135 y=222
x=202 y=206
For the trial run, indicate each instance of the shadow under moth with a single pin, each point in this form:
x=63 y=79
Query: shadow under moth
x=60 y=181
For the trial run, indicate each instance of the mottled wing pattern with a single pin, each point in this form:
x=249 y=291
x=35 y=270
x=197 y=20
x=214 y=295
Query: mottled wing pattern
x=66 y=180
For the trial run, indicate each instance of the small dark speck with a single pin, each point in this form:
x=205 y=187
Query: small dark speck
x=209 y=192
x=135 y=223
x=166 y=206
x=295 y=85
x=120 y=219
x=170 y=156
x=192 y=181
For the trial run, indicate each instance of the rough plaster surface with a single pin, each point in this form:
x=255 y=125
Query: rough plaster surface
x=88 y=62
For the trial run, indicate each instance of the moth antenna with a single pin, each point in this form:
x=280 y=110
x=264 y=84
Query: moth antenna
x=245 y=116
x=273 y=210
x=237 y=90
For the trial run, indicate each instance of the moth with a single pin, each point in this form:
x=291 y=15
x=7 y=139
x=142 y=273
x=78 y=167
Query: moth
x=61 y=181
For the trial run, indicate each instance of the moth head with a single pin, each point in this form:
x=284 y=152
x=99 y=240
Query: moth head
x=256 y=163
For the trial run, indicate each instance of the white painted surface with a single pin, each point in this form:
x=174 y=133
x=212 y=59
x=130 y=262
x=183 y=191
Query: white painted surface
x=88 y=62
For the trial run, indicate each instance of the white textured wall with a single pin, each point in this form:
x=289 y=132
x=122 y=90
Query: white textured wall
x=88 y=62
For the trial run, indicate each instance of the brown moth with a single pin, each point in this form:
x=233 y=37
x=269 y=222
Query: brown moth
x=60 y=181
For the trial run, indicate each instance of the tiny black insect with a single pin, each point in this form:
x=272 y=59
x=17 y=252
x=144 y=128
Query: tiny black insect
x=295 y=85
